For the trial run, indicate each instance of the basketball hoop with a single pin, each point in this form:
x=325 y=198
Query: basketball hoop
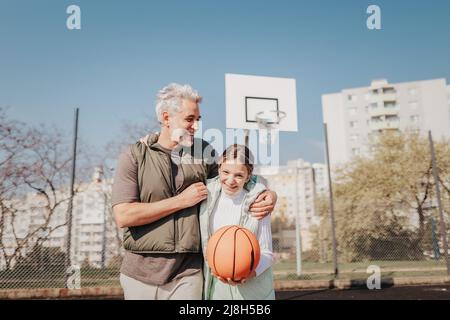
x=269 y=119
x=268 y=124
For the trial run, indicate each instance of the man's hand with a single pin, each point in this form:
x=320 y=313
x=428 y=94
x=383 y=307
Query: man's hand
x=193 y=194
x=263 y=205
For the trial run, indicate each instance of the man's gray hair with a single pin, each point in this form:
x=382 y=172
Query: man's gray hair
x=170 y=98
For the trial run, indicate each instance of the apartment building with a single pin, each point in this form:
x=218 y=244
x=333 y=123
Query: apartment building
x=355 y=115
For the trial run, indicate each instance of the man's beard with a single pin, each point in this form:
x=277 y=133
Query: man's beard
x=182 y=137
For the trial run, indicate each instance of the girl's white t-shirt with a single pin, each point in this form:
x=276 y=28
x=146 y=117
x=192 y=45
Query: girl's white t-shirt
x=228 y=211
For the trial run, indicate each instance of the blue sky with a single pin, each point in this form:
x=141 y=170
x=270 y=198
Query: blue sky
x=126 y=50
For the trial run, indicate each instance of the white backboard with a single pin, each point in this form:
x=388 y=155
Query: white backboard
x=246 y=95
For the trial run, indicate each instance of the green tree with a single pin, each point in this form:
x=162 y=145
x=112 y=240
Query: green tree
x=383 y=202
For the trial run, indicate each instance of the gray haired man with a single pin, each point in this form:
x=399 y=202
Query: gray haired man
x=156 y=196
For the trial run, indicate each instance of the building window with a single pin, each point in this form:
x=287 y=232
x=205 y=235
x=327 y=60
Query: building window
x=412 y=92
x=353 y=124
x=413 y=105
x=390 y=104
x=415 y=119
x=354 y=137
x=377 y=119
x=352 y=97
x=388 y=90
x=392 y=118
x=352 y=111
x=355 y=151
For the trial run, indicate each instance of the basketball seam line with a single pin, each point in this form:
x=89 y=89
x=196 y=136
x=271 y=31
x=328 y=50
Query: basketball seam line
x=217 y=243
x=253 y=251
x=234 y=253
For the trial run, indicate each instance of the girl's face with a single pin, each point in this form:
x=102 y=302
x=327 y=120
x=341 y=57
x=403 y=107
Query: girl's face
x=233 y=176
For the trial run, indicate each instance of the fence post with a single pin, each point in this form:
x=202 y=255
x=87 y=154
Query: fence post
x=438 y=195
x=70 y=206
x=298 y=238
x=333 y=225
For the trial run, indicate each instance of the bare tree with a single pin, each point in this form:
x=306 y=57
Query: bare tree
x=35 y=171
x=34 y=174
x=12 y=144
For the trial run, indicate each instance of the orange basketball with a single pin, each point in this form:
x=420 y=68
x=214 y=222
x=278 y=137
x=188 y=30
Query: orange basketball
x=233 y=252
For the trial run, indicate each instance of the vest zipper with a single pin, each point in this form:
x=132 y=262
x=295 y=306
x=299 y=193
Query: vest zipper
x=180 y=167
x=174 y=193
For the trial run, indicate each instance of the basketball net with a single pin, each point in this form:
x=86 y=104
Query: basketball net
x=268 y=125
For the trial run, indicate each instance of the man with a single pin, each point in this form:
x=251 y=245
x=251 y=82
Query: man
x=157 y=189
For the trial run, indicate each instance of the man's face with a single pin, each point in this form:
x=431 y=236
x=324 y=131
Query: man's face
x=184 y=124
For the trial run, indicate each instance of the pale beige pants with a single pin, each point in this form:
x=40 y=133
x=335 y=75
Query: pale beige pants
x=186 y=288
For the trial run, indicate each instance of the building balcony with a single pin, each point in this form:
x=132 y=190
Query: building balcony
x=383 y=111
x=84 y=238
x=91 y=248
x=384 y=125
x=383 y=95
x=389 y=96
